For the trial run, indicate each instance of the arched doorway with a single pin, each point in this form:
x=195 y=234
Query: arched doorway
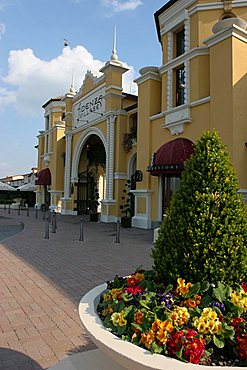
x=91 y=176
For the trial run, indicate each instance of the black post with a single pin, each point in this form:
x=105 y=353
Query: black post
x=118 y=232
x=4 y=206
x=36 y=212
x=27 y=211
x=19 y=210
x=9 y=209
x=81 y=239
x=55 y=219
x=43 y=216
x=47 y=228
x=53 y=230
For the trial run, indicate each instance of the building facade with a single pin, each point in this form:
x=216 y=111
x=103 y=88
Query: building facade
x=98 y=138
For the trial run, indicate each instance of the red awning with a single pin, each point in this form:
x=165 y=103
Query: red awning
x=44 y=177
x=170 y=157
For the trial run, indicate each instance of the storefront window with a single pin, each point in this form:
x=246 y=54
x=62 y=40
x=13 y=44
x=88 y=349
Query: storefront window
x=170 y=185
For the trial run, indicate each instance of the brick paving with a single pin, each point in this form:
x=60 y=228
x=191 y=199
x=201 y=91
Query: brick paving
x=42 y=281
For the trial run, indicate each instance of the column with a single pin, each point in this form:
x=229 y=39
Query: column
x=169 y=88
x=187 y=33
x=187 y=82
x=68 y=137
x=170 y=46
x=110 y=156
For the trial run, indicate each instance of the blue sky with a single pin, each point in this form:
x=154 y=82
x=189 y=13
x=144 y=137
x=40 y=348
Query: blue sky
x=35 y=65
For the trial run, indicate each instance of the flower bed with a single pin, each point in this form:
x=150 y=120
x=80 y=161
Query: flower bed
x=197 y=323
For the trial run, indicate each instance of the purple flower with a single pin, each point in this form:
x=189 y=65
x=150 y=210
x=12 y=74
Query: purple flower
x=166 y=298
x=220 y=306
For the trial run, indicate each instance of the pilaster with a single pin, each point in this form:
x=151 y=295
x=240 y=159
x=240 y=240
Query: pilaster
x=68 y=137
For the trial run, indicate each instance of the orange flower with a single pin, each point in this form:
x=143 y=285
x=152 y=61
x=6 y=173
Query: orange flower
x=182 y=288
x=156 y=324
x=138 y=317
x=189 y=303
x=135 y=279
x=147 y=338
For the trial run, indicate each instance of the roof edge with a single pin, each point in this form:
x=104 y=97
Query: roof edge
x=160 y=11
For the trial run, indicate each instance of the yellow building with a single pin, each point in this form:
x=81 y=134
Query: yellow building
x=98 y=138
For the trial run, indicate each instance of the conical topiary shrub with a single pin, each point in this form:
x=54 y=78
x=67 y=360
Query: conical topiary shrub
x=204 y=235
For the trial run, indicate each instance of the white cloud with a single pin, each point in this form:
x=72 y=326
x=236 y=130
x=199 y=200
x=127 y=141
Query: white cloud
x=7 y=97
x=32 y=81
x=120 y=5
x=2 y=29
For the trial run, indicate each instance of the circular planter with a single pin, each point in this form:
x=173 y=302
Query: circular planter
x=127 y=354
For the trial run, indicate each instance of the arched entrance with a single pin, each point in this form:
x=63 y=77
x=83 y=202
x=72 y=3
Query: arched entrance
x=91 y=176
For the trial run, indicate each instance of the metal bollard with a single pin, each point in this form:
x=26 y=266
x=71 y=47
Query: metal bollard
x=19 y=210
x=47 y=228
x=43 y=216
x=55 y=219
x=4 y=206
x=9 y=209
x=36 y=212
x=81 y=239
x=27 y=211
x=53 y=230
x=118 y=232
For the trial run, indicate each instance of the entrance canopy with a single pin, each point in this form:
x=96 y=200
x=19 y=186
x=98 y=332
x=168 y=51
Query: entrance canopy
x=27 y=187
x=170 y=157
x=7 y=187
x=44 y=177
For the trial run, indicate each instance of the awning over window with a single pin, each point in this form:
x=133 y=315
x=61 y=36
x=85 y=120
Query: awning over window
x=44 y=177
x=170 y=157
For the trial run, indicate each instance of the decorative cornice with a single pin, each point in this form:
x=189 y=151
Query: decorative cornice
x=200 y=101
x=176 y=109
x=113 y=87
x=174 y=15
x=148 y=76
x=216 y=5
x=195 y=52
x=233 y=31
x=79 y=95
x=107 y=95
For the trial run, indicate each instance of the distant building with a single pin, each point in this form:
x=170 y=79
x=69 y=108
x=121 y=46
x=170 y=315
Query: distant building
x=98 y=137
x=19 y=180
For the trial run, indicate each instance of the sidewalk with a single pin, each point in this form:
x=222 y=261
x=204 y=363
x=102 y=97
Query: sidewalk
x=42 y=281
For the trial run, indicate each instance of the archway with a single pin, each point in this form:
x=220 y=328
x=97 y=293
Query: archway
x=91 y=176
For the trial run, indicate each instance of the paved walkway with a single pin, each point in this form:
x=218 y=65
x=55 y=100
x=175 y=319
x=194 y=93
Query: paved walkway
x=42 y=281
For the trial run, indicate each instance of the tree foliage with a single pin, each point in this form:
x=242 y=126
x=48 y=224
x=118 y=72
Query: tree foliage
x=204 y=235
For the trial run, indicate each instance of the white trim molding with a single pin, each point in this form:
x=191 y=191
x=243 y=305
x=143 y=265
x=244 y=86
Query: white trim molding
x=176 y=118
x=195 y=52
x=232 y=31
x=79 y=146
x=150 y=75
x=142 y=220
x=120 y=176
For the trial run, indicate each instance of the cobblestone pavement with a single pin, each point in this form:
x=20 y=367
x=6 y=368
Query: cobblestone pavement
x=42 y=281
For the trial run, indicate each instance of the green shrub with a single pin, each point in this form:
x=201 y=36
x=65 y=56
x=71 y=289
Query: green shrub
x=6 y=201
x=204 y=235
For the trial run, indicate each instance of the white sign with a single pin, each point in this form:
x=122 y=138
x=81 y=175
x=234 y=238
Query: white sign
x=90 y=108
